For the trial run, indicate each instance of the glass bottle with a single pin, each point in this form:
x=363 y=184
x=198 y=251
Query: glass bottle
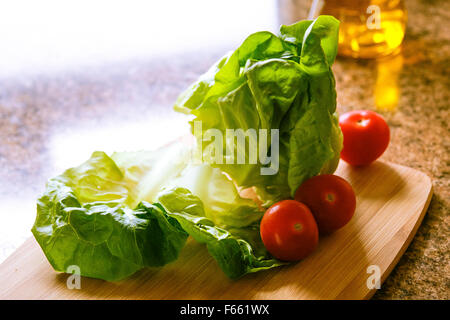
x=369 y=28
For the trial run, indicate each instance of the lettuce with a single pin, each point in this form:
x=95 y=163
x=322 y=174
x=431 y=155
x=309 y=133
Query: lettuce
x=83 y=219
x=273 y=82
x=114 y=215
x=237 y=250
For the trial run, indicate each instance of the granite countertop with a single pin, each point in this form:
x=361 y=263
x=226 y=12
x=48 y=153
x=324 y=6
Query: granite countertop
x=49 y=121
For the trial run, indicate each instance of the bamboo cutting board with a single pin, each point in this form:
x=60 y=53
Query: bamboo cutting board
x=391 y=203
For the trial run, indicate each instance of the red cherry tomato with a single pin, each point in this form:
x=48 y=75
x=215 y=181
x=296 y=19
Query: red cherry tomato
x=288 y=230
x=366 y=136
x=331 y=199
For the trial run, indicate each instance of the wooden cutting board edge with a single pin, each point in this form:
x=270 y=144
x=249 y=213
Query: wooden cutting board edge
x=411 y=236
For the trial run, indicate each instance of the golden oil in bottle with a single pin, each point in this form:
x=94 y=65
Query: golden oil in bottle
x=369 y=28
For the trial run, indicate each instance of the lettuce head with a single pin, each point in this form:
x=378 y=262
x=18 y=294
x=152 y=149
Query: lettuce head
x=116 y=214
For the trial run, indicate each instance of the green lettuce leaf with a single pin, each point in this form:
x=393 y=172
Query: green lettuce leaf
x=83 y=219
x=272 y=82
x=238 y=251
x=221 y=200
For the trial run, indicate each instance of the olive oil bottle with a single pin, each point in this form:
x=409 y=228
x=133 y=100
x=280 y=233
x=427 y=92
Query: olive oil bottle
x=369 y=28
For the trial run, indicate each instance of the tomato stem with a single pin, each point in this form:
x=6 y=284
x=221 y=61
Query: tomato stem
x=363 y=122
x=330 y=197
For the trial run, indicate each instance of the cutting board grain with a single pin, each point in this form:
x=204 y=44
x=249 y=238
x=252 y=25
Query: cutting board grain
x=391 y=203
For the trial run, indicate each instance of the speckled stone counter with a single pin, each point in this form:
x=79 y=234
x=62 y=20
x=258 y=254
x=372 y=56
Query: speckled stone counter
x=36 y=109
